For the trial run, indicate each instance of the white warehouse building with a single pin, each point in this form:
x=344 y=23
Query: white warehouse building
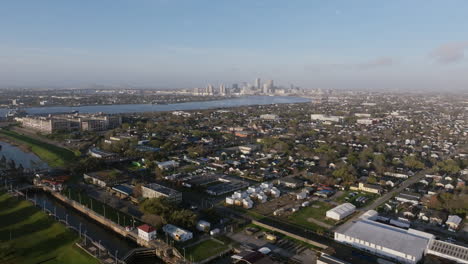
x=405 y=246
x=177 y=233
x=341 y=211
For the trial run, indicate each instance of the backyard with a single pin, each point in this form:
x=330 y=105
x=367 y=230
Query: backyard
x=316 y=211
x=27 y=235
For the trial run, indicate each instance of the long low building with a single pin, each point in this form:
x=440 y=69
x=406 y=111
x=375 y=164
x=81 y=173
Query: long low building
x=447 y=250
x=154 y=190
x=70 y=122
x=341 y=211
x=402 y=245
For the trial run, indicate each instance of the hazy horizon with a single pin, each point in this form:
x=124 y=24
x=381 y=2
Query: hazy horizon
x=184 y=44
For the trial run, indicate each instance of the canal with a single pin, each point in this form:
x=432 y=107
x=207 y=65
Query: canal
x=97 y=232
x=26 y=159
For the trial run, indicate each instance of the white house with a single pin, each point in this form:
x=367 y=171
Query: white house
x=453 y=221
x=146 y=232
x=177 y=233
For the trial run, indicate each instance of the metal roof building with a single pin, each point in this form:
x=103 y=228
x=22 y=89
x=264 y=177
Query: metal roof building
x=341 y=211
x=406 y=246
x=447 y=250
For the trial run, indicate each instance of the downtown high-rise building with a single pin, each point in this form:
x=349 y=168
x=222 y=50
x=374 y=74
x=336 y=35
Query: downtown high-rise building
x=258 y=84
x=222 y=89
x=210 y=89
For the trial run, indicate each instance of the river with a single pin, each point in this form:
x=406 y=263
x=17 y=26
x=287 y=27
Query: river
x=139 y=108
x=27 y=159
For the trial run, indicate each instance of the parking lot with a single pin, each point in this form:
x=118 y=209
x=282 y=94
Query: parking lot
x=284 y=249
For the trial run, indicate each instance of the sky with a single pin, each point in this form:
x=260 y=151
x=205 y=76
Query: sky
x=328 y=44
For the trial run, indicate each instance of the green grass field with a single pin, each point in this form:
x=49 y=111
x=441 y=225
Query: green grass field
x=35 y=237
x=204 y=250
x=300 y=217
x=53 y=155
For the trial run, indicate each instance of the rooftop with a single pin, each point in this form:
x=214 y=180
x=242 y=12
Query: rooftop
x=411 y=242
x=162 y=189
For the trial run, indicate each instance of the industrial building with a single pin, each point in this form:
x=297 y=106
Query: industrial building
x=341 y=211
x=70 y=122
x=321 y=117
x=403 y=245
x=154 y=190
x=447 y=250
x=177 y=233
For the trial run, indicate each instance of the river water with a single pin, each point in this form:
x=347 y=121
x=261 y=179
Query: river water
x=26 y=159
x=139 y=108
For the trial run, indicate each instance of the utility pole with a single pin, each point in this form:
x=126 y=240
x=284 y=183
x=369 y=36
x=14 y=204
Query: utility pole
x=80 y=229
x=85 y=236
x=116 y=252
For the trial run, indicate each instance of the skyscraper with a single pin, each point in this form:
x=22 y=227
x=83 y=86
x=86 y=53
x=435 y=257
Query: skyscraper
x=270 y=84
x=210 y=90
x=222 y=89
x=258 y=84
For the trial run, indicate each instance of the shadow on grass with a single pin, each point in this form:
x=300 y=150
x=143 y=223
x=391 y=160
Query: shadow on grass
x=17 y=232
x=49 y=247
x=17 y=216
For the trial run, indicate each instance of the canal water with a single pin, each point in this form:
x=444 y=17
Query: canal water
x=139 y=108
x=97 y=232
x=26 y=159
x=110 y=240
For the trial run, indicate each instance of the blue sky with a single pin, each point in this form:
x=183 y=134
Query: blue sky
x=183 y=44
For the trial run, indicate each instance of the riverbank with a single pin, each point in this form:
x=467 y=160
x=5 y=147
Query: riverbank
x=27 y=235
x=147 y=108
x=53 y=155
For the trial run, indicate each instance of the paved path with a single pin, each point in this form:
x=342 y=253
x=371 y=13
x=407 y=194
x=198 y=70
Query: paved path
x=320 y=223
x=384 y=198
x=390 y=194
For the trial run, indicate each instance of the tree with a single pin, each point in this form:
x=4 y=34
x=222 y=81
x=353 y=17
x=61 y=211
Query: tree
x=347 y=173
x=413 y=163
x=154 y=220
x=137 y=190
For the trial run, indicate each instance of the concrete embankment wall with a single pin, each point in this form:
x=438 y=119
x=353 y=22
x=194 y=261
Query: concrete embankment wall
x=101 y=219
x=113 y=226
x=303 y=239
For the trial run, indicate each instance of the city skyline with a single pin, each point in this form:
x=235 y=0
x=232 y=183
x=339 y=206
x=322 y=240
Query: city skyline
x=183 y=44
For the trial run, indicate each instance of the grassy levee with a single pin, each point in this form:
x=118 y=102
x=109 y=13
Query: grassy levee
x=28 y=235
x=53 y=155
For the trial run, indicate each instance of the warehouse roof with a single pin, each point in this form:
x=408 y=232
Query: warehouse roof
x=448 y=249
x=411 y=242
x=343 y=208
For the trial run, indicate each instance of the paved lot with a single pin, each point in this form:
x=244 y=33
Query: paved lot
x=283 y=248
